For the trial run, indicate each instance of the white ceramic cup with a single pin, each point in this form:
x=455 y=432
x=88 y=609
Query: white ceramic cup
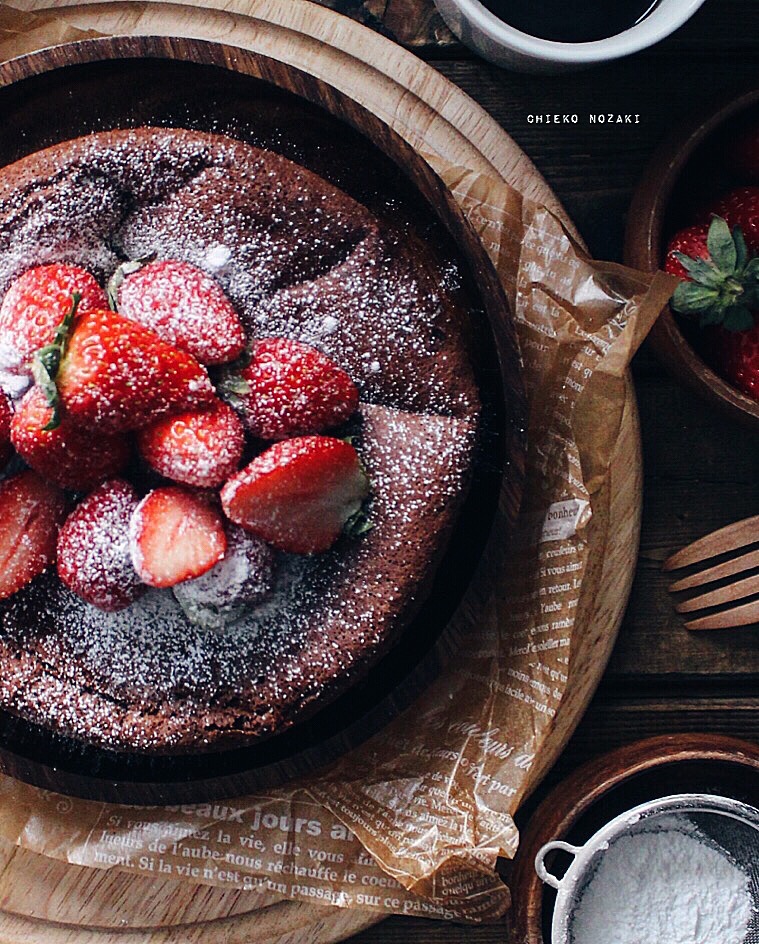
x=483 y=32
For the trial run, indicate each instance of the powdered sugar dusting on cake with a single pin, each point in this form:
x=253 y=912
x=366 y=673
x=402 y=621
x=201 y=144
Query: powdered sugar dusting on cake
x=300 y=259
x=324 y=612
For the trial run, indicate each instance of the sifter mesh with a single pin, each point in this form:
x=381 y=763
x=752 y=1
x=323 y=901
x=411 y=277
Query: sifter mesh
x=732 y=834
x=739 y=840
x=724 y=825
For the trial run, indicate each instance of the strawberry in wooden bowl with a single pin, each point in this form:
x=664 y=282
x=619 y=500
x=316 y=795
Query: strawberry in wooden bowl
x=707 y=170
x=719 y=291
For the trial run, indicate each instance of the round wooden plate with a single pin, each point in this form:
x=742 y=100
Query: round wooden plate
x=607 y=786
x=437 y=118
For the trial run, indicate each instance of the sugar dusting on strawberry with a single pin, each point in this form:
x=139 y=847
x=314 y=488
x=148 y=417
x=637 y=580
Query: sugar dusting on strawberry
x=389 y=328
x=70 y=455
x=94 y=559
x=32 y=309
x=31 y=511
x=198 y=447
x=185 y=306
x=299 y=494
x=117 y=375
x=415 y=464
x=289 y=389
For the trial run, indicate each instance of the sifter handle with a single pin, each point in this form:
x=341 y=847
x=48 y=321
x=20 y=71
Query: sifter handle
x=540 y=867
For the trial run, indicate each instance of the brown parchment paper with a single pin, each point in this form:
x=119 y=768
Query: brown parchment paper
x=414 y=820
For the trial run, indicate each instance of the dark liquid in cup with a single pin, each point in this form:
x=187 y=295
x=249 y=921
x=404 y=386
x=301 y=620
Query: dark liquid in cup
x=571 y=21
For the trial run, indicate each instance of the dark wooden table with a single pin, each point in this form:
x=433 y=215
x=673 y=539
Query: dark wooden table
x=702 y=471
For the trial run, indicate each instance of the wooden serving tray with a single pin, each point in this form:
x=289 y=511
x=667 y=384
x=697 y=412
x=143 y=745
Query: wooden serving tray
x=67 y=903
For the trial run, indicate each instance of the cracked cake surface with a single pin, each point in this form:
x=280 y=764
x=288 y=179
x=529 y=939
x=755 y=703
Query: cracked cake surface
x=300 y=259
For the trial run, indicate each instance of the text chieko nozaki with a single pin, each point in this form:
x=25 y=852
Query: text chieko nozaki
x=600 y=118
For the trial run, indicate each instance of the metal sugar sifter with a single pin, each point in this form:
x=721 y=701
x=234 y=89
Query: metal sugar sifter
x=724 y=824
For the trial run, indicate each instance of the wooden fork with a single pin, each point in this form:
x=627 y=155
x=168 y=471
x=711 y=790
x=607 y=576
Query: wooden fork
x=727 y=540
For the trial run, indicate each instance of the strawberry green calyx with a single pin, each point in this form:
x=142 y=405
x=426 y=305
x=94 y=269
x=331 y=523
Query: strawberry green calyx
x=230 y=385
x=47 y=361
x=723 y=289
x=358 y=524
x=125 y=269
x=232 y=388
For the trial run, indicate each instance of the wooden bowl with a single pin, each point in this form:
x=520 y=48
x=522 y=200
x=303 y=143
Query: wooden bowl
x=608 y=786
x=66 y=91
x=688 y=169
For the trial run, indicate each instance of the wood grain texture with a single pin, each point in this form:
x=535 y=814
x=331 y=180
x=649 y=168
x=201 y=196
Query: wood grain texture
x=418 y=25
x=429 y=113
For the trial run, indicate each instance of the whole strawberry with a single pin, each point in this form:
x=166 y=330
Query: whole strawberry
x=736 y=355
x=93 y=548
x=721 y=291
x=289 y=389
x=68 y=454
x=197 y=447
x=113 y=374
x=740 y=208
x=31 y=311
x=691 y=242
x=183 y=305
x=31 y=511
x=299 y=494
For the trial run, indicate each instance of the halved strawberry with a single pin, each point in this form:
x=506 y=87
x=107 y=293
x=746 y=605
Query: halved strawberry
x=69 y=455
x=93 y=548
x=183 y=305
x=31 y=511
x=114 y=374
x=175 y=535
x=299 y=494
x=32 y=309
x=197 y=447
x=289 y=389
x=6 y=415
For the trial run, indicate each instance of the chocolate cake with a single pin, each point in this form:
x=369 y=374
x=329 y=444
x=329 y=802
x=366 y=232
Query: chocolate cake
x=299 y=259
